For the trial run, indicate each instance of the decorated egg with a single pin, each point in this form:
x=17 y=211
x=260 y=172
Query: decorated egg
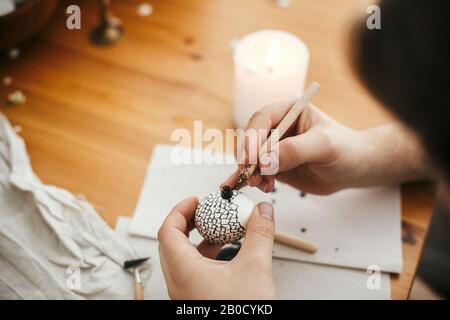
x=221 y=216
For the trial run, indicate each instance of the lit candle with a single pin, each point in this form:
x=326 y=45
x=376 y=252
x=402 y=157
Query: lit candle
x=268 y=64
x=6 y=7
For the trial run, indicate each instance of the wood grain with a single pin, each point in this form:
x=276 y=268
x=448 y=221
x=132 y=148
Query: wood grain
x=93 y=114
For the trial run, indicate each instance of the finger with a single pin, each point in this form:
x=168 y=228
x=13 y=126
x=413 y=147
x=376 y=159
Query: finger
x=267 y=183
x=311 y=146
x=261 y=122
x=252 y=141
x=269 y=116
x=255 y=179
x=181 y=214
x=270 y=181
x=269 y=163
x=240 y=152
x=173 y=241
x=262 y=182
x=190 y=226
x=164 y=266
x=209 y=250
x=260 y=230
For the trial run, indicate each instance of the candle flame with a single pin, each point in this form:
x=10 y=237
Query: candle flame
x=273 y=56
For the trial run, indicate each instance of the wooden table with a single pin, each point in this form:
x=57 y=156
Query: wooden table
x=93 y=114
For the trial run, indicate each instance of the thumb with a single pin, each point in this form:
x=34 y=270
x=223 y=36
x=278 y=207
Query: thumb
x=311 y=146
x=259 y=234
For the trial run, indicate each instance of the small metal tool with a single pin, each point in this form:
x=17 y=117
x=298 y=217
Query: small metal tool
x=138 y=287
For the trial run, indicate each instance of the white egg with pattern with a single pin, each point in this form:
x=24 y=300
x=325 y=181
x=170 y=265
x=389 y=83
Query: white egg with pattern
x=220 y=220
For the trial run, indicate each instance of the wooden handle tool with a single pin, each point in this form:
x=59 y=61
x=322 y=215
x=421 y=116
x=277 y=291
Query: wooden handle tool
x=295 y=242
x=138 y=287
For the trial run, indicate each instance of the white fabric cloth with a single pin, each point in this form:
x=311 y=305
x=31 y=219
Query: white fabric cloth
x=54 y=245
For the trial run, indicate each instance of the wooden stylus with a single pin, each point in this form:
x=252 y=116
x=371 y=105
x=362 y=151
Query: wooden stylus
x=284 y=125
x=295 y=242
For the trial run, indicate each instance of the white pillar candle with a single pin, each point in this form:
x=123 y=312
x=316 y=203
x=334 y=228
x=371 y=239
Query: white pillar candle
x=6 y=7
x=268 y=64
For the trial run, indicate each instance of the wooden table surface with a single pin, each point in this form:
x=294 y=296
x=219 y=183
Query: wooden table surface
x=94 y=114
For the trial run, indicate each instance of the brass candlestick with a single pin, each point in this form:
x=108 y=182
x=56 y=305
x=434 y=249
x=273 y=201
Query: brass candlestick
x=110 y=30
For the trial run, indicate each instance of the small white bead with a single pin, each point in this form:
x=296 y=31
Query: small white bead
x=144 y=9
x=14 y=53
x=7 y=81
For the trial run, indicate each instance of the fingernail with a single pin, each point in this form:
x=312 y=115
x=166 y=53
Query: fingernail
x=262 y=186
x=270 y=163
x=266 y=210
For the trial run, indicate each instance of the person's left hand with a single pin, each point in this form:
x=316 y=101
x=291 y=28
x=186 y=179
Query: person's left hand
x=191 y=273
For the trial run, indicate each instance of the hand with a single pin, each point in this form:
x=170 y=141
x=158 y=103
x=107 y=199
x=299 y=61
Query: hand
x=319 y=155
x=191 y=273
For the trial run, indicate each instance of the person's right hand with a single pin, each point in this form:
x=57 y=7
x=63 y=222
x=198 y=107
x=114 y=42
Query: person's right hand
x=319 y=155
